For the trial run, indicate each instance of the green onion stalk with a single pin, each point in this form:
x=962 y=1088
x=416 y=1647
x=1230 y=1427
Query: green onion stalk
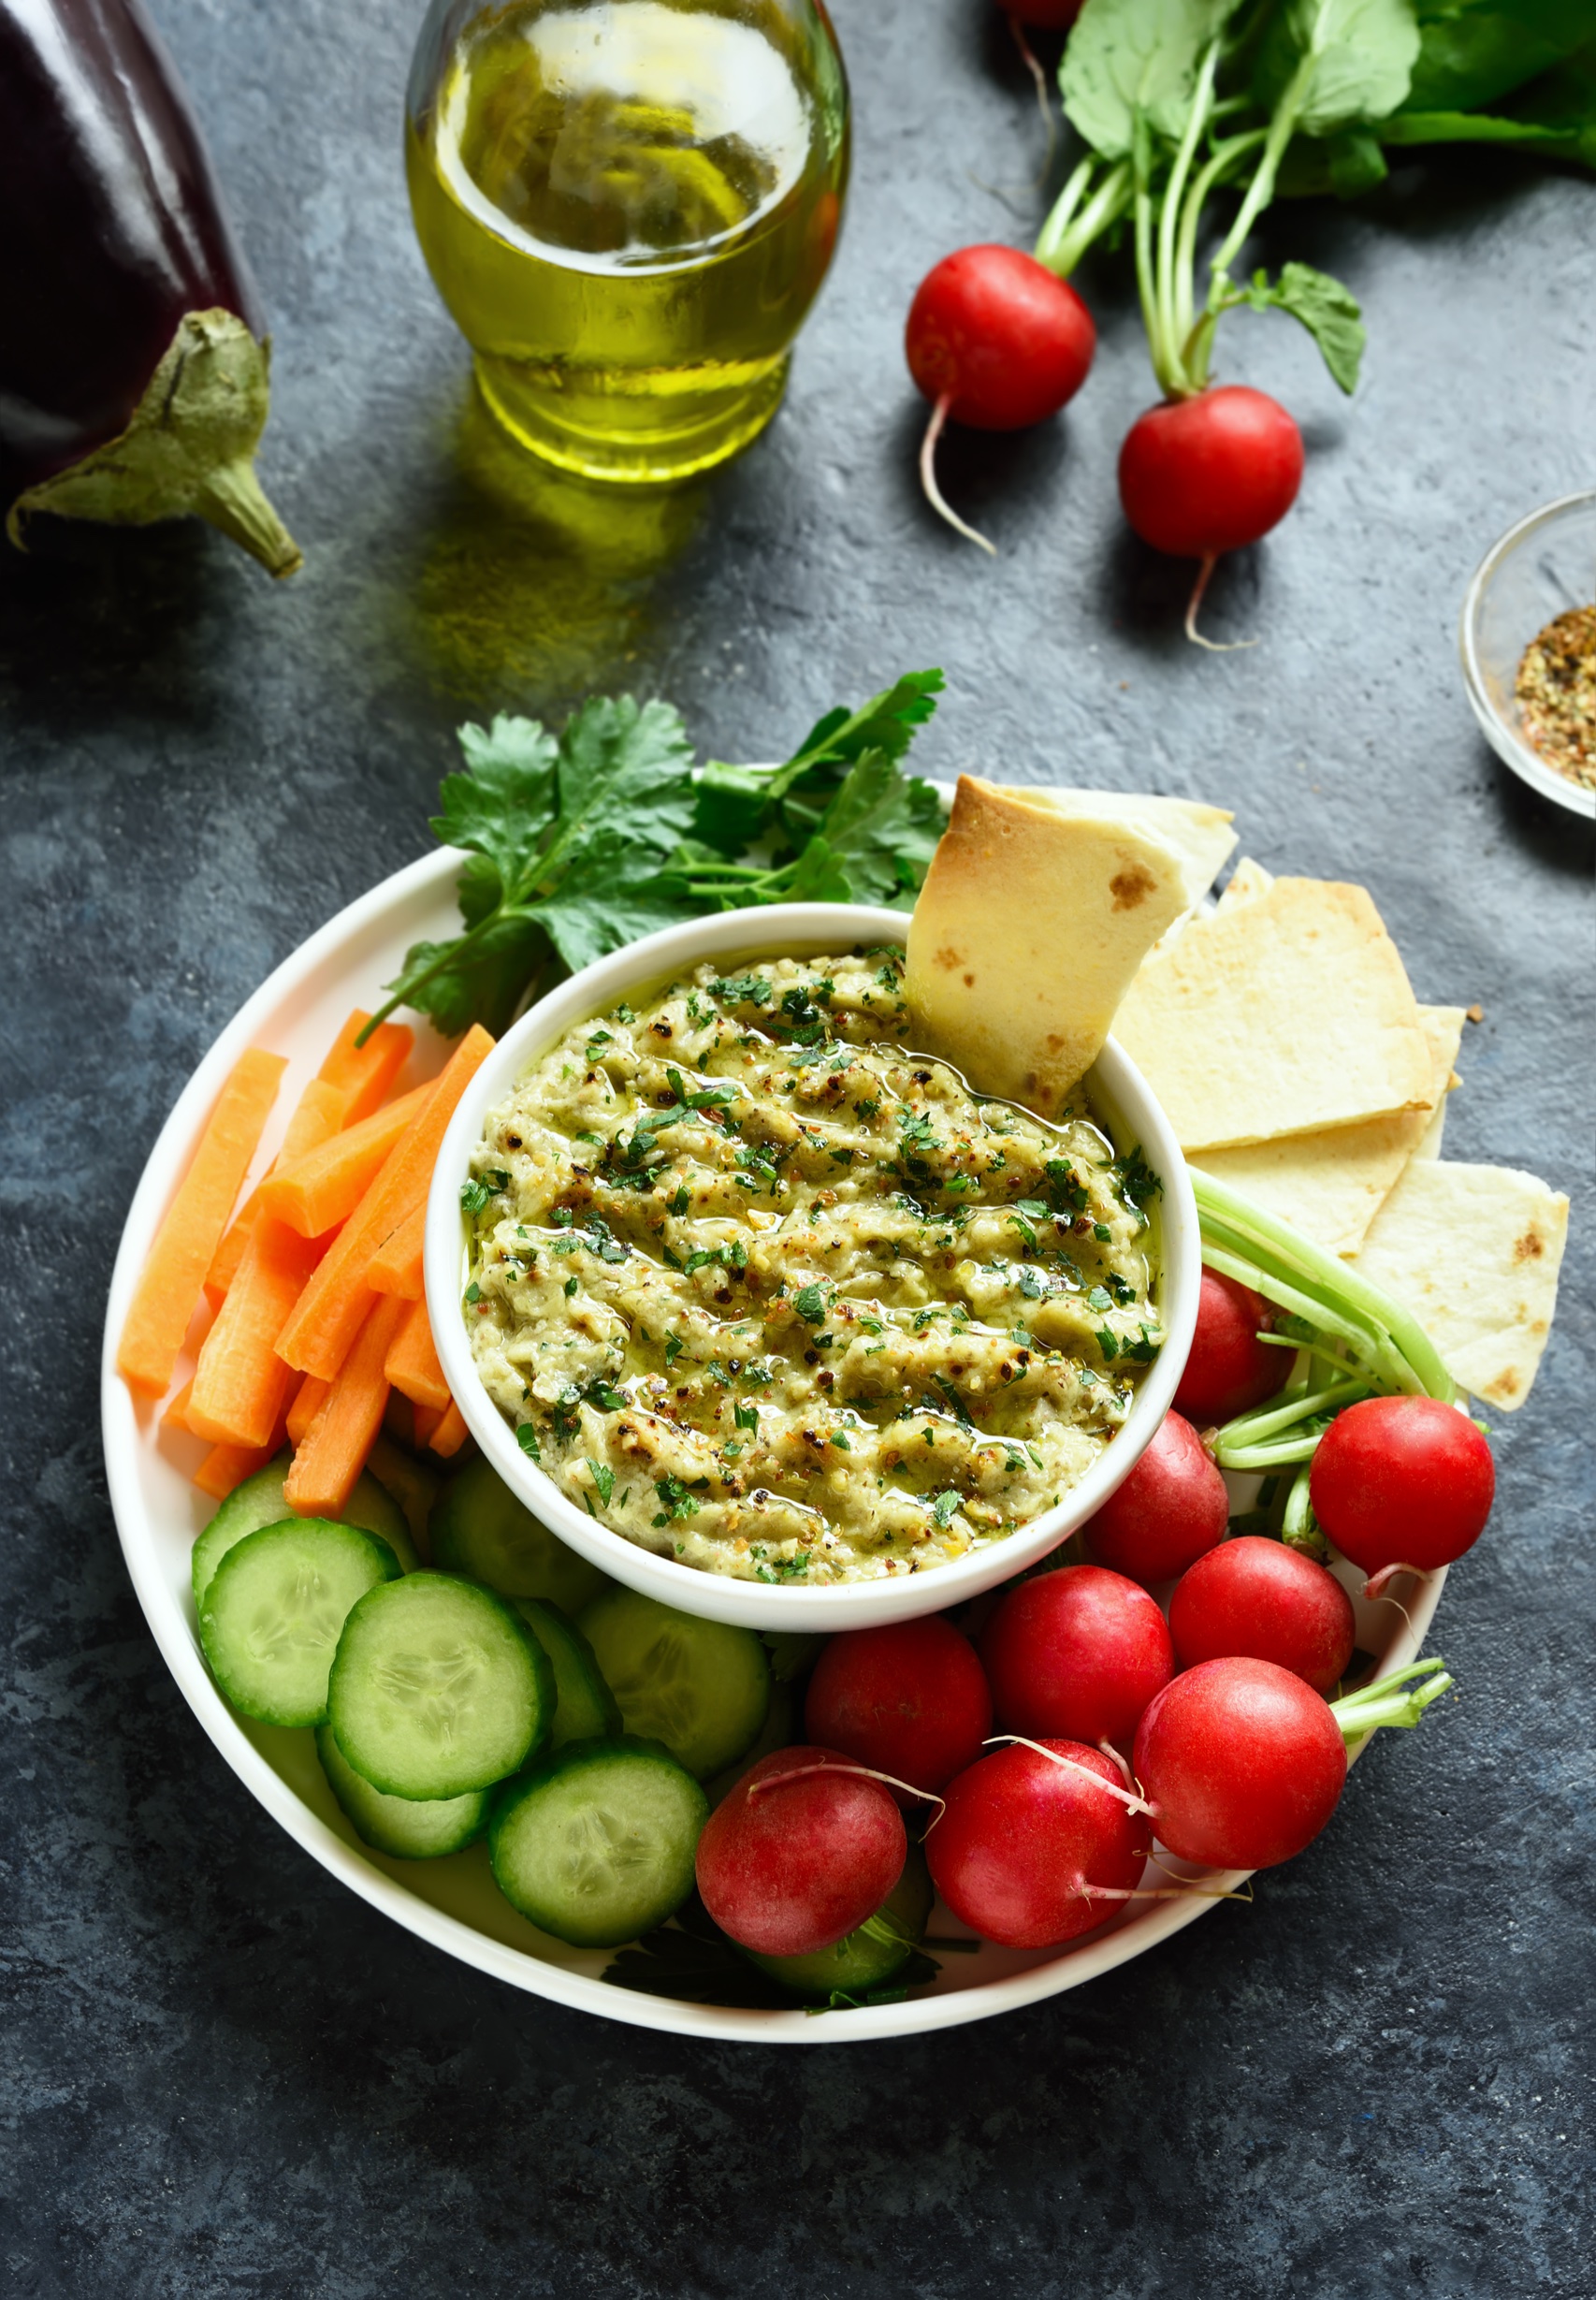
x=1352 y=1340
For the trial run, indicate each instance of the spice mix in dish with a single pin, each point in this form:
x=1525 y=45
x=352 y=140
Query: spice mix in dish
x=768 y=1291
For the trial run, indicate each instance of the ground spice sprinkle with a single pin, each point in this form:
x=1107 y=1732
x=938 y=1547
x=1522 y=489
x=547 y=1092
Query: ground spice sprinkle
x=1555 y=688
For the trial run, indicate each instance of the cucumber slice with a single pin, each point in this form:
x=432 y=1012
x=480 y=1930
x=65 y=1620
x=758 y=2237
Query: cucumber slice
x=411 y=1828
x=275 y=1608
x=259 y=1502
x=585 y=1707
x=779 y=1731
x=597 y=1845
x=480 y=1529
x=864 y=1959
x=702 y=1688
x=437 y=1688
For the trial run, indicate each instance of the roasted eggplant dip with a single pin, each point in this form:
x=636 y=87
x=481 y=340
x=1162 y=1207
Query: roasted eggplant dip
x=767 y=1291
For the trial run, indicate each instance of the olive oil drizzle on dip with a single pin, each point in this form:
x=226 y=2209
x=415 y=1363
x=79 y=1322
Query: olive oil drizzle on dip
x=766 y=1291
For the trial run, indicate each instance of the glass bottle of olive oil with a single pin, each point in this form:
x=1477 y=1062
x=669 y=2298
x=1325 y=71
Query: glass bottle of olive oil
x=629 y=206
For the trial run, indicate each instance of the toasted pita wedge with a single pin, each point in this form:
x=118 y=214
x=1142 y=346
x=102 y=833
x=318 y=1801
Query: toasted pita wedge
x=1474 y=1252
x=1200 y=835
x=1030 y=926
x=1330 y=1185
x=1247 y=879
x=1282 y=1013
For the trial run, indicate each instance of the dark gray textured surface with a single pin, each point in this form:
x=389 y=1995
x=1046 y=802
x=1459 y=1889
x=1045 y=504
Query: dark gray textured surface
x=222 y=2074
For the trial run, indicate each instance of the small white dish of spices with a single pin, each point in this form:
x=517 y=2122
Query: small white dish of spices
x=1527 y=640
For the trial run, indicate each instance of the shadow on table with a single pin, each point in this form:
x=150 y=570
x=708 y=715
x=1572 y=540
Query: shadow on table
x=530 y=576
x=1557 y=838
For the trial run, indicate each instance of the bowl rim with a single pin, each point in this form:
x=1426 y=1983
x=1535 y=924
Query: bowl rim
x=796 y=929
x=1504 y=739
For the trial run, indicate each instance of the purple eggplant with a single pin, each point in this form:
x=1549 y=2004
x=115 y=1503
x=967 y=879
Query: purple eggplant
x=134 y=368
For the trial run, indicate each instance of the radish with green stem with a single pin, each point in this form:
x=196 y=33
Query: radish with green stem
x=1171 y=1507
x=1228 y=1369
x=801 y=1851
x=1077 y=1653
x=997 y=342
x=1026 y=16
x=1258 y=1599
x=1242 y=1764
x=1402 y=1484
x=1037 y=1843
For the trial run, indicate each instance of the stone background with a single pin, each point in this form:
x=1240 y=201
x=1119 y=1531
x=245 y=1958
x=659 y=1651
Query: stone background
x=224 y=2075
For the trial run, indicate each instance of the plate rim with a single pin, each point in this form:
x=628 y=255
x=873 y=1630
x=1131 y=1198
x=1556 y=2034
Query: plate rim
x=121 y=1433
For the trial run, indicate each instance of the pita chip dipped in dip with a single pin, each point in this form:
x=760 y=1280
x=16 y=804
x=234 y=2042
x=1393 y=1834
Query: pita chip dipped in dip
x=1028 y=931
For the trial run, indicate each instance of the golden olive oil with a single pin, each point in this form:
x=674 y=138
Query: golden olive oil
x=627 y=207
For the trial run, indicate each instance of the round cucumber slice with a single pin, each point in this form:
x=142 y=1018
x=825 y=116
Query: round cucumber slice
x=597 y=1845
x=411 y=1828
x=437 y=1688
x=780 y=1729
x=275 y=1608
x=259 y=1502
x=585 y=1707
x=479 y=1528
x=702 y=1688
x=864 y=1959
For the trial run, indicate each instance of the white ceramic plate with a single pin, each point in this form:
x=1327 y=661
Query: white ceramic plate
x=454 y=1903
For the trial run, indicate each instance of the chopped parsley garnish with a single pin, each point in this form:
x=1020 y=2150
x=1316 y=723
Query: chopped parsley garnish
x=944 y=1507
x=527 y=1438
x=810 y=1304
x=481 y=1190
x=745 y=1417
x=674 y=1347
x=1103 y=1234
x=572 y=1286
x=473 y=1291
x=742 y=990
x=1108 y=1343
x=604 y=1482
x=675 y=1500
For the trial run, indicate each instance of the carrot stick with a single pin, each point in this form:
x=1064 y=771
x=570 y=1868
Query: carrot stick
x=333 y=1451
x=426 y=1419
x=451 y=1432
x=412 y=1364
x=314 y=1191
x=320 y=1111
x=308 y=1401
x=334 y=1304
x=397 y=1269
x=226 y=1466
x=175 y=1417
x=241 y=1385
x=363 y=1074
x=170 y=1283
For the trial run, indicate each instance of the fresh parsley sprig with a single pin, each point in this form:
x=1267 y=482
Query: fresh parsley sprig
x=579 y=843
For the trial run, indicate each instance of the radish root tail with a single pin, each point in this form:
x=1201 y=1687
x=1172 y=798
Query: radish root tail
x=1214 y=646
x=1020 y=1740
x=934 y=494
x=858 y=1772
x=1032 y=62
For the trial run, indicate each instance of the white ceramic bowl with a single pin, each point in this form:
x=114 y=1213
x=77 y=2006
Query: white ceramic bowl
x=1123 y=1101
x=1544 y=566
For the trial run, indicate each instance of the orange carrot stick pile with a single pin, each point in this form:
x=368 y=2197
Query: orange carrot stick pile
x=315 y=1280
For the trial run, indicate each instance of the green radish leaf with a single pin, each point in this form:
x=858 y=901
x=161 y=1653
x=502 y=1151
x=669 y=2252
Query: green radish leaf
x=1131 y=57
x=1328 y=311
x=1356 y=163
x=1339 y=61
x=1472 y=53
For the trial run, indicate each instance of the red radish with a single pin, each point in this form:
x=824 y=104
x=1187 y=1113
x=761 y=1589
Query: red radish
x=998 y=341
x=1029 y=1852
x=1402 y=1482
x=1171 y=1507
x=1261 y=1599
x=1077 y=1653
x=1205 y=475
x=910 y=1700
x=1229 y=1370
x=788 y=1866
x=1242 y=1762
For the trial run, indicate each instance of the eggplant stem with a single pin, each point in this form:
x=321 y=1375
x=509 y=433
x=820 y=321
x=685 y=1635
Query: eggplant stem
x=934 y=494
